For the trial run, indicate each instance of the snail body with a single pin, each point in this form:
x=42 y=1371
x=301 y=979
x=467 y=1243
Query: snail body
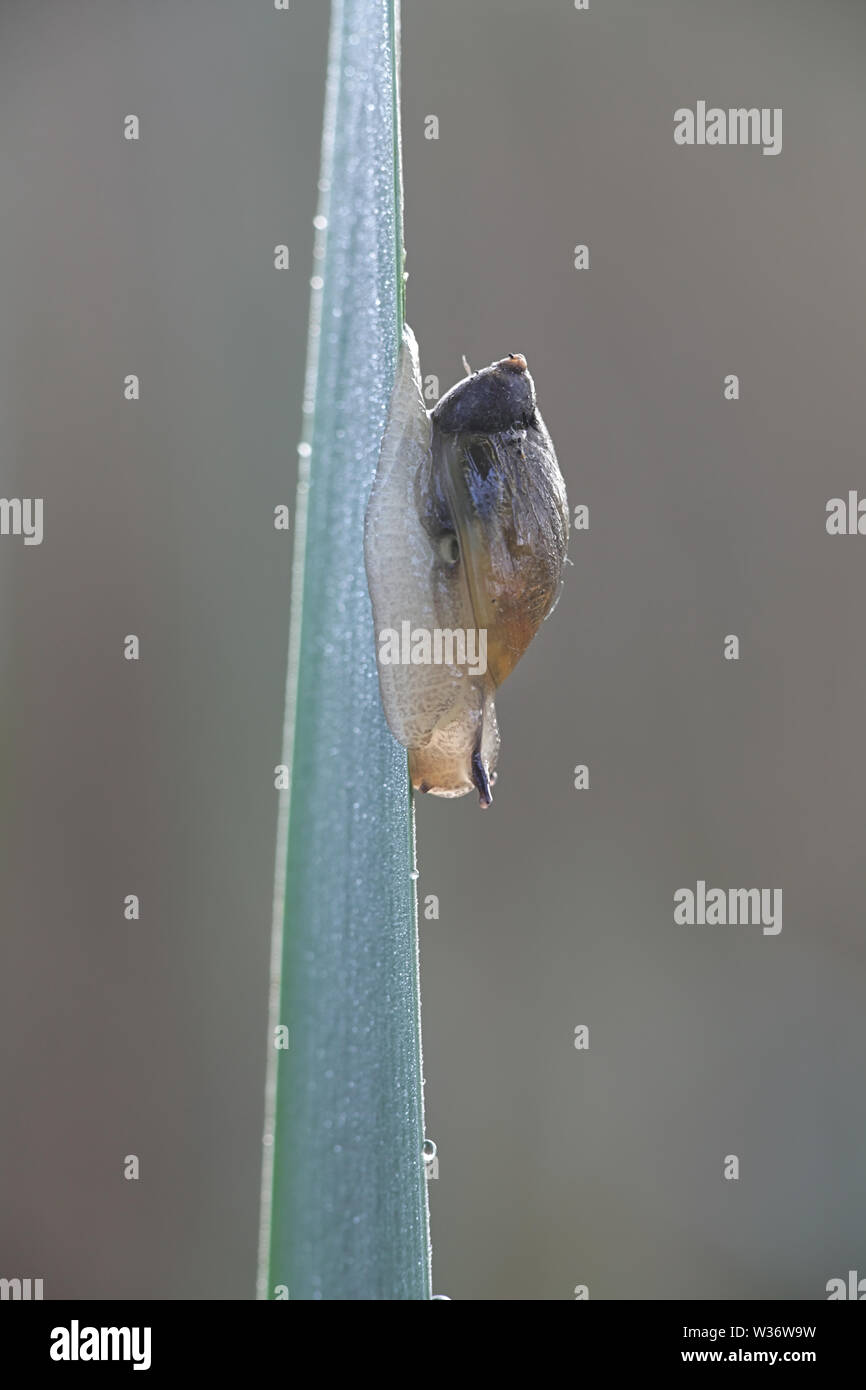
x=465 y=539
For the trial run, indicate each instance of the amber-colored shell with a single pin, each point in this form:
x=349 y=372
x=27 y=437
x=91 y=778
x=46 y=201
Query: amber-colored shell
x=466 y=529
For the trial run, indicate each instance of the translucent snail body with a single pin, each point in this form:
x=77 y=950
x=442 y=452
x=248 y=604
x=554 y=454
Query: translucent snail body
x=465 y=540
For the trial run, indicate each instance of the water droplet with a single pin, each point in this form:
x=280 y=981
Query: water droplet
x=317 y=282
x=428 y=1148
x=304 y=450
x=414 y=875
x=441 y=1298
x=320 y=222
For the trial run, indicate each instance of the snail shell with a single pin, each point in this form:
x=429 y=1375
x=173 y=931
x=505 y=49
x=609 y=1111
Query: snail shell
x=466 y=531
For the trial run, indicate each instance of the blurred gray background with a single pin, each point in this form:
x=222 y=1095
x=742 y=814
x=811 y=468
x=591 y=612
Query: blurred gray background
x=557 y=1167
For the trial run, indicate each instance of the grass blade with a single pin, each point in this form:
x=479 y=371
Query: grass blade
x=344 y=1211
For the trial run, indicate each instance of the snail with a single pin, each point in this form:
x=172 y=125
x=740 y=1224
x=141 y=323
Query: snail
x=465 y=538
